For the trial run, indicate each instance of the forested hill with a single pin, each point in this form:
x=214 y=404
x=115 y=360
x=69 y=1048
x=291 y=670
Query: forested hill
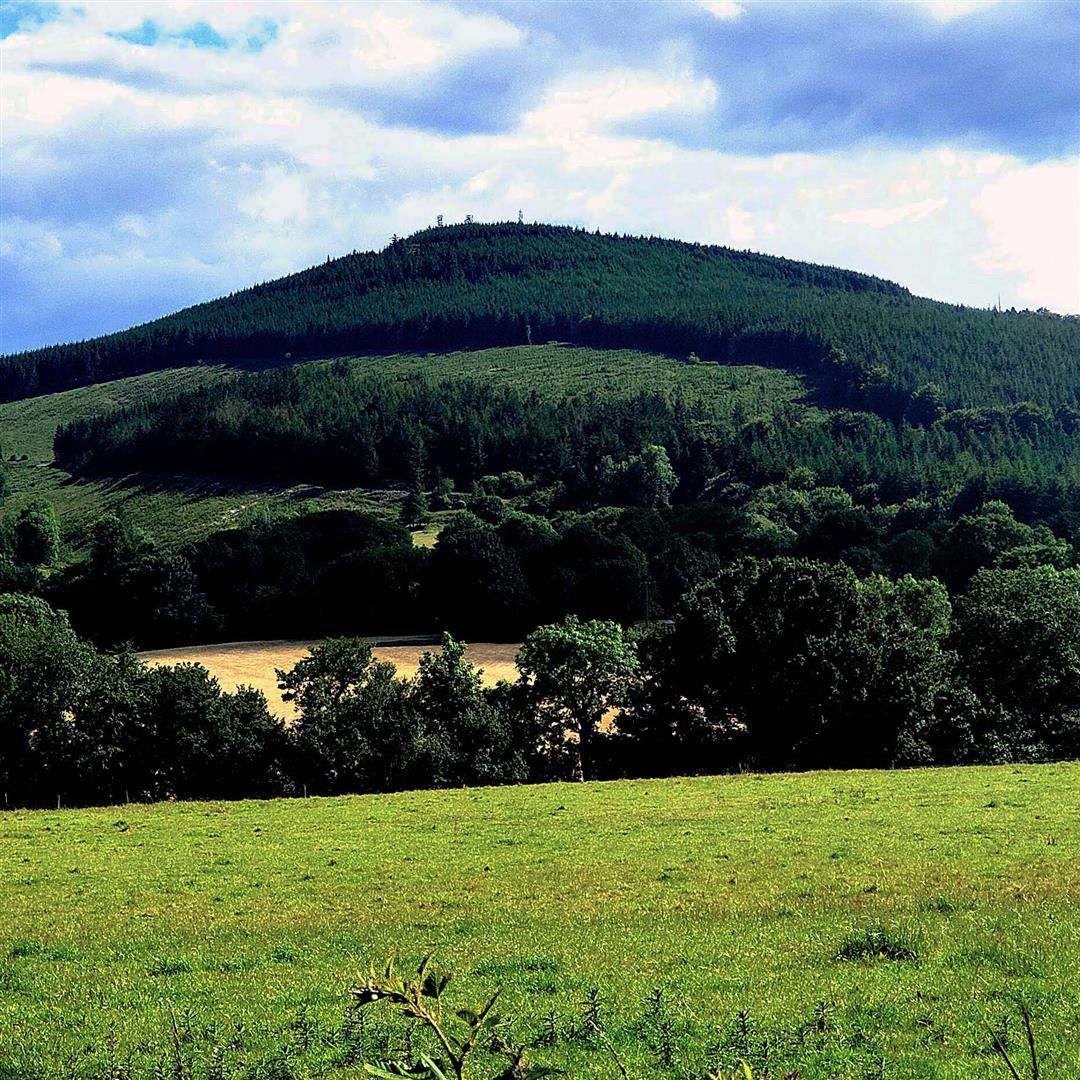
x=866 y=342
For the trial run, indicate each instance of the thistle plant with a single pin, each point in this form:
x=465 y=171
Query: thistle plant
x=419 y=997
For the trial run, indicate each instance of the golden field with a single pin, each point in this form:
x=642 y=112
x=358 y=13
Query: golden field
x=254 y=663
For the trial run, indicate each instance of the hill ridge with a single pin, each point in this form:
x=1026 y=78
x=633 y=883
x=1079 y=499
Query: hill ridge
x=868 y=341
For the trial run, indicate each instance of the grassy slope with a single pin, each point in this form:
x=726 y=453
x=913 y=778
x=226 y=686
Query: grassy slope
x=557 y=369
x=172 y=512
x=177 y=510
x=729 y=893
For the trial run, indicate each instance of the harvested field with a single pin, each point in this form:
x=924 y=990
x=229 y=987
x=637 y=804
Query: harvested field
x=253 y=663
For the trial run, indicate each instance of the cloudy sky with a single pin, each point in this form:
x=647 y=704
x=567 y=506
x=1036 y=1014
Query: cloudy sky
x=160 y=153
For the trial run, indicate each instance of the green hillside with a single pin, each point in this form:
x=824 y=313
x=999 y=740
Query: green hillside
x=175 y=509
x=571 y=421
x=534 y=409
x=864 y=340
x=182 y=504
x=26 y=437
x=885 y=395
x=615 y=483
x=742 y=904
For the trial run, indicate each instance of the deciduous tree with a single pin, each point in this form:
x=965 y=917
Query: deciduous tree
x=576 y=672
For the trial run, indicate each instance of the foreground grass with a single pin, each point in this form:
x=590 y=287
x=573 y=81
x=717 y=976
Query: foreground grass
x=246 y=922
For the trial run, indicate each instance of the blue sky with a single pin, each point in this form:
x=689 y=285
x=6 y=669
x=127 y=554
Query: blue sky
x=160 y=153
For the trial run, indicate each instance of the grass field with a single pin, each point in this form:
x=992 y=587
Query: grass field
x=254 y=663
x=173 y=510
x=27 y=429
x=245 y=924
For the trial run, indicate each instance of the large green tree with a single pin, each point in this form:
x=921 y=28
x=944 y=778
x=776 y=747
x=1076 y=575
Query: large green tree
x=37 y=534
x=576 y=672
x=353 y=732
x=467 y=738
x=896 y=667
x=1018 y=636
x=472 y=571
x=207 y=743
x=44 y=668
x=813 y=665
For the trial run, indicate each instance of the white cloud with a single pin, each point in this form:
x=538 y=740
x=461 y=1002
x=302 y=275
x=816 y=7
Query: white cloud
x=281 y=198
x=603 y=100
x=1032 y=218
x=948 y=10
x=741 y=227
x=230 y=20
x=883 y=217
x=266 y=176
x=722 y=9
x=316 y=44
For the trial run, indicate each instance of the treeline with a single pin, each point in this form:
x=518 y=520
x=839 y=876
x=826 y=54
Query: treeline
x=497 y=570
x=866 y=342
x=341 y=427
x=315 y=575
x=771 y=664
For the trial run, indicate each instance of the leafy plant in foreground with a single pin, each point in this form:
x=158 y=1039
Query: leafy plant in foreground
x=745 y=1073
x=419 y=998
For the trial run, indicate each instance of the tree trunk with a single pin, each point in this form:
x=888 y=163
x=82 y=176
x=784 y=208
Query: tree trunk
x=584 y=751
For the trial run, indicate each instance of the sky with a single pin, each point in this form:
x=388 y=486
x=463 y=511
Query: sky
x=156 y=154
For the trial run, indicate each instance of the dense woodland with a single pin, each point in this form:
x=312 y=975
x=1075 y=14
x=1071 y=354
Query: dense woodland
x=767 y=661
x=496 y=572
x=871 y=562
x=331 y=426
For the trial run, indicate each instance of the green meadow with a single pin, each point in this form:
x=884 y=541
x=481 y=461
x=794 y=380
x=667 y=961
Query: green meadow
x=844 y=924
x=173 y=510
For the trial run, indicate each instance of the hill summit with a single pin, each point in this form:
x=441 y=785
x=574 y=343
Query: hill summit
x=867 y=340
